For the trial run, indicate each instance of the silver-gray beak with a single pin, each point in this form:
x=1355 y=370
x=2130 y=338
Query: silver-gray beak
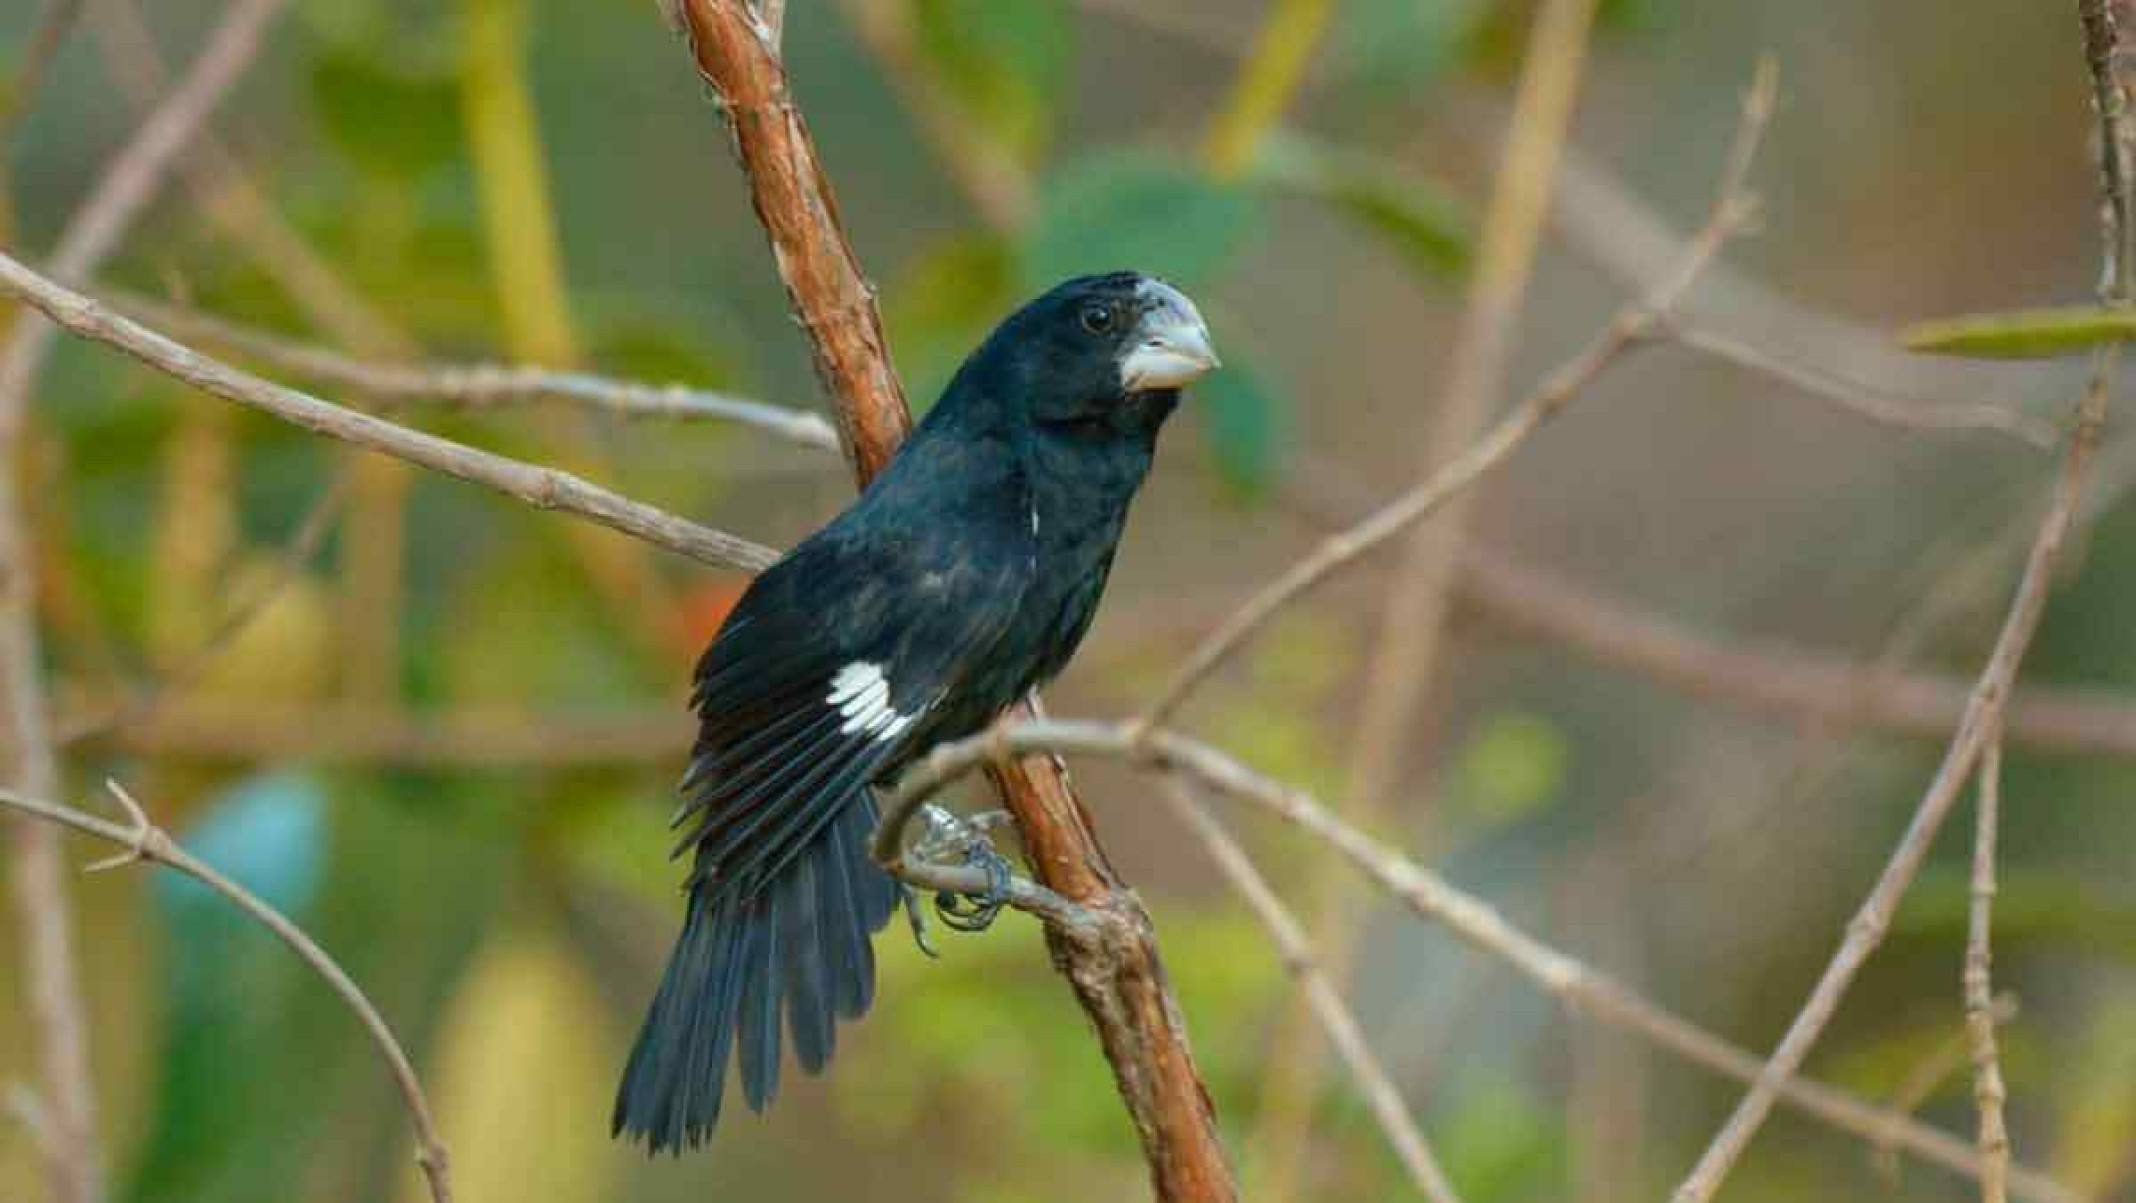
x=1171 y=346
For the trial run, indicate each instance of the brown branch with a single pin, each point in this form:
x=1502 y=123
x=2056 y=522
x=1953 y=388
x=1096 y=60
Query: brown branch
x=1631 y=328
x=1120 y=982
x=479 y=386
x=543 y=488
x=1475 y=922
x=1295 y=948
x=144 y=842
x=1988 y=1089
x=830 y=296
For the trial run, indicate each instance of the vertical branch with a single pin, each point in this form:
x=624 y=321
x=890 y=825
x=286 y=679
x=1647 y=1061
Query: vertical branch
x=1988 y=1089
x=73 y=1162
x=1120 y=981
x=1406 y=652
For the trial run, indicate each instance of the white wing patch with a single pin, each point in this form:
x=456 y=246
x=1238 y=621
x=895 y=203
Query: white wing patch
x=861 y=693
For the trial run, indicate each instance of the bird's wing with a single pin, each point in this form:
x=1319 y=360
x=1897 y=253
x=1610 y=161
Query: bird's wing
x=827 y=670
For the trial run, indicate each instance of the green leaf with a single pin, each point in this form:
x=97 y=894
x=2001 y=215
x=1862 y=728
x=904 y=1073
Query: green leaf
x=1245 y=423
x=1006 y=61
x=2023 y=333
x=390 y=120
x=1417 y=218
x=1139 y=211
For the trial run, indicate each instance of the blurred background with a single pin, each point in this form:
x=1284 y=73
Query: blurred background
x=446 y=742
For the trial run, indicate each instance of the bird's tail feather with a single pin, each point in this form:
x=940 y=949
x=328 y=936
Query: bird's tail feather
x=797 y=950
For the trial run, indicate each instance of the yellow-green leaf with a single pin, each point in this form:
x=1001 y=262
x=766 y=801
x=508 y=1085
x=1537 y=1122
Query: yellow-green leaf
x=2023 y=333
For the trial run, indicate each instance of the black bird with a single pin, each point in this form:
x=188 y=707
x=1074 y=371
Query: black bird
x=963 y=577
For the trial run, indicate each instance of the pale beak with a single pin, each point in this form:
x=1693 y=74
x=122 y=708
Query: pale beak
x=1171 y=342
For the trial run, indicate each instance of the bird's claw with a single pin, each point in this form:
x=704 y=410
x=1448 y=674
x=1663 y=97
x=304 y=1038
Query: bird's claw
x=977 y=912
x=918 y=918
x=947 y=839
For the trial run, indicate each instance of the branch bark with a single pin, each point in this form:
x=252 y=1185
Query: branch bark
x=1121 y=982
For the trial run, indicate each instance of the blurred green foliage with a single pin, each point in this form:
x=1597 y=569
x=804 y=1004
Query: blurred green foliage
x=511 y=919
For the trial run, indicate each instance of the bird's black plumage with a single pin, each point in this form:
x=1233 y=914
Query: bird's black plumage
x=964 y=576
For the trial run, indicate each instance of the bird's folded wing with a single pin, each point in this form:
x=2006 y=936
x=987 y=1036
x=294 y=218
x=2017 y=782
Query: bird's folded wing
x=828 y=669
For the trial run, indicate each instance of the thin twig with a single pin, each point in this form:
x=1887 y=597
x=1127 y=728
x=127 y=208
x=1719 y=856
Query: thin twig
x=128 y=184
x=480 y=386
x=1988 y=1089
x=1983 y=719
x=1475 y=922
x=1930 y=1073
x=1785 y=681
x=543 y=488
x=144 y=842
x=1401 y=663
x=1866 y=400
x=1296 y=950
x=1631 y=328
x=134 y=177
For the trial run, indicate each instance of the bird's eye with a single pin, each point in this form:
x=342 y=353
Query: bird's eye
x=1098 y=319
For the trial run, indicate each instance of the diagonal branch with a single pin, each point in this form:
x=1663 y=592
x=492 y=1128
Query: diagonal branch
x=1121 y=981
x=1321 y=994
x=1631 y=328
x=1470 y=919
x=542 y=488
x=144 y=842
x=1983 y=718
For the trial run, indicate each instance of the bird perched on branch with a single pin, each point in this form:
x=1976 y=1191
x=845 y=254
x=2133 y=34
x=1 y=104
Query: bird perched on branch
x=963 y=577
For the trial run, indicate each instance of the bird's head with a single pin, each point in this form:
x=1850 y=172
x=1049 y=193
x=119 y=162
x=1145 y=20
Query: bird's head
x=1114 y=348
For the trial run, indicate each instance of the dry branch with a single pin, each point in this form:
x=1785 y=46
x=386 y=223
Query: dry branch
x=1631 y=328
x=1988 y=1090
x=1295 y=947
x=1475 y=922
x=1985 y=709
x=135 y=174
x=542 y=488
x=145 y=842
x=1121 y=981
x=480 y=386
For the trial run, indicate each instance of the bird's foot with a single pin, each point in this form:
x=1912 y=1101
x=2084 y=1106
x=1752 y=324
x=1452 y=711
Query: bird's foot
x=948 y=839
x=917 y=918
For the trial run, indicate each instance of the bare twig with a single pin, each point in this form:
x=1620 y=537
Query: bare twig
x=144 y=842
x=1402 y=662
x=128 y=184
x=1121 y=981
x=543 y=488
x=1930 y=1073
x=1470 y=919
x=1631 y=328
x=1988 y=1089
x=1983 y=718
x=135 y=175
x=1296 y=949
x=54 y=21
x=1782 y=680
x=1867 y=400
x=480 y=386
